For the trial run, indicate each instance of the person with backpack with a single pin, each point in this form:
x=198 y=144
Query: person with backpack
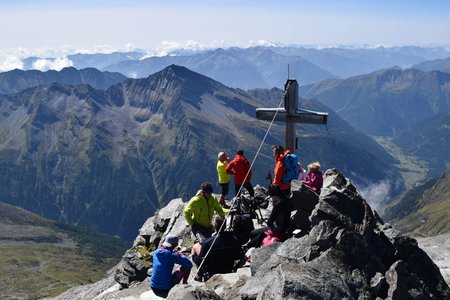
x=200 y=209
x=314 y=180
x=286 y=169
x=240 y=167
x=164 y=259
x=224 y=177
x=224 y=249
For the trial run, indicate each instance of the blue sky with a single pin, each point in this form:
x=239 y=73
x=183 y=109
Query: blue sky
x=121 y=24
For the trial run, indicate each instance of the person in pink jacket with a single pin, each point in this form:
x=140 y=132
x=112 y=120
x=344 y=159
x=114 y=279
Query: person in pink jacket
x=314 y=180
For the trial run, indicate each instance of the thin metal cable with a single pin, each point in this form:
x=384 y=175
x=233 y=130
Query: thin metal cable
x=239 y=192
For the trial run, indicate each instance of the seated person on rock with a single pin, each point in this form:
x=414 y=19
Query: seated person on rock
x=200 y=210
x=224 y=249
x=314 y=180
x=164 y=259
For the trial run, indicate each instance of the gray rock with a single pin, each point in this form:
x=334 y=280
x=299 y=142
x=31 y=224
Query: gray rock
x=438 y=249
x=378 y=286
x=260 y=256
x=324 y=234
x=227 y=286
x=189 y=292
x=154 y=228
x=398 y=279
x=304 y=198
x=294 y=248
x=345 y=255
x=317 y=279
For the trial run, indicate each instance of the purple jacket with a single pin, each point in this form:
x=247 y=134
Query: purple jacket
x=314 y=181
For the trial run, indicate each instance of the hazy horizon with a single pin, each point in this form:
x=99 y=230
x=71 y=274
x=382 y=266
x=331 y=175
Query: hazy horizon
x=49 y=28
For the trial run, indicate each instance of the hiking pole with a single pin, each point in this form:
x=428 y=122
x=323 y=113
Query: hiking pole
x=269 y=177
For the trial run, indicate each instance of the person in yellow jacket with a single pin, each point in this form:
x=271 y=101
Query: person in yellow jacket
x=200 y=210
x=224 y=177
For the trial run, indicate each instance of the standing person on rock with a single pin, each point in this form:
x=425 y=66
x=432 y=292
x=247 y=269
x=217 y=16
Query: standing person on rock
x=240 y=167
x=280 y=192
x=224 y=177
x=164 y=259
x=200 y=210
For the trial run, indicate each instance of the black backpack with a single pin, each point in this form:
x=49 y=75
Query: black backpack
x=242 y=226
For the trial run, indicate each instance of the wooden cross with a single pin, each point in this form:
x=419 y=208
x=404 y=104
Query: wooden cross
x=291 y=114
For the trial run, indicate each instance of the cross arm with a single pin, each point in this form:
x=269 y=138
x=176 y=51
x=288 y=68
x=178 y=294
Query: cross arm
x=300 y=115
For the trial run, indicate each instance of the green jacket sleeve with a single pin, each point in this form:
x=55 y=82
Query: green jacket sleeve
x=218 y=208
x=187 y=212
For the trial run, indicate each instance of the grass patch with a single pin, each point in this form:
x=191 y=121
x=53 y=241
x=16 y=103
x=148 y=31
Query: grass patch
x=38 y=270
x=94 y=244
x=412 y=169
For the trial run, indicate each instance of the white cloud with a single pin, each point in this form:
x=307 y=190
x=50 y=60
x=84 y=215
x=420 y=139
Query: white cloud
x=376 y=194
x=52 y=64
x=10 y=62
x=262 y=43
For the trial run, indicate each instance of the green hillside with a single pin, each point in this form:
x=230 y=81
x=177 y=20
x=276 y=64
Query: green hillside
x=424 y=210
x=41 y=258
x=429 y=141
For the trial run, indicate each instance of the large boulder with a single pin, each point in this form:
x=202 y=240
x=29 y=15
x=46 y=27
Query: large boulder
x=136 y=264
x=347 y=253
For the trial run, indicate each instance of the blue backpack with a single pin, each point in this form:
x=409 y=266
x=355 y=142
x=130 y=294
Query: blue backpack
x=291 y=168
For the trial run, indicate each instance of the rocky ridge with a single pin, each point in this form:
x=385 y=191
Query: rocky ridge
x=348 y=253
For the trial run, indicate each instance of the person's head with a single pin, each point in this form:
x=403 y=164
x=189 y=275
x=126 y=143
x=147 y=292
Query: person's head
x=240 y=152
x=314 y=167
x=207 y=188
x=222 y=156
x=171 y=241
x=277 y=150
x=217 y=223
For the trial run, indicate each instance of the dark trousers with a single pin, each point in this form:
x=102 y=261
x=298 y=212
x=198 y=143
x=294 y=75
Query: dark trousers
x=281 y=213
x=248 y=186
x=180 y=275
x=201 y=233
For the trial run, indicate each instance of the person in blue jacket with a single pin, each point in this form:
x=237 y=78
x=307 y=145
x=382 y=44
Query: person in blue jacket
x=164 y=259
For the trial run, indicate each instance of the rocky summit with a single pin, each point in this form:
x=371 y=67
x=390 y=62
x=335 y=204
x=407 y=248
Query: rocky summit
x=345 y=252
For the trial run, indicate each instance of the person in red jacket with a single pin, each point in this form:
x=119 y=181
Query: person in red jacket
x=280 y=192
x=240 y=168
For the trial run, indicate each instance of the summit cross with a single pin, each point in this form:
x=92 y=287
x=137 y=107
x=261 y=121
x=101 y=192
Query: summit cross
x=291 y=114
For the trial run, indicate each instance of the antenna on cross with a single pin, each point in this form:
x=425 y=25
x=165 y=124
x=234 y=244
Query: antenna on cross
x=291 y=114
x=288 y=72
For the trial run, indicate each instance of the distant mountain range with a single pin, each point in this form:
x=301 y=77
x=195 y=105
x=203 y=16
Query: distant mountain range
x=244 y=68
x=345 y=62
x=94 y=60
x=260 y=67
x=41 y=258
x=385 y=102
x=424 y=210
x=18 y=80
x=108 y=159
x=442 y=65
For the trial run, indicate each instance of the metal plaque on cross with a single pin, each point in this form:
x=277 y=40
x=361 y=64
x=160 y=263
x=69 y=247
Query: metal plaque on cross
x=291 y=114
